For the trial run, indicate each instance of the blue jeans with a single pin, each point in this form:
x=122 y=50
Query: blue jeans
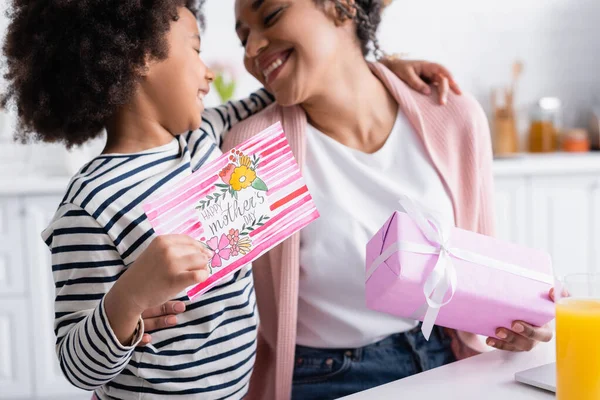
x=321 y=374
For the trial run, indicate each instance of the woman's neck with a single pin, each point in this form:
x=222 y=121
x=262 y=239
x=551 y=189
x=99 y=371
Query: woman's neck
x=131 y=130
x=354 y=107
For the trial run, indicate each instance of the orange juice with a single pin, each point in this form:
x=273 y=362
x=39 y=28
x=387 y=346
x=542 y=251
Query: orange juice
x=578 y=349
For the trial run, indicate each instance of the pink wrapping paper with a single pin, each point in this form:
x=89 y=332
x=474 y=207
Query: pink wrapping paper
x=239 y=205
x=485 y=298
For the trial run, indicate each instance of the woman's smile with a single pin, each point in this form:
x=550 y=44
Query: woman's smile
x=272 y=64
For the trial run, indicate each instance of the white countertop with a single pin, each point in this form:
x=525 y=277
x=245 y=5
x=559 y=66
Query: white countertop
x=488 y=376
x=518 y=165
x=548 y=164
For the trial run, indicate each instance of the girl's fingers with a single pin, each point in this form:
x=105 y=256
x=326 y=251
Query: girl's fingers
x=170 y=307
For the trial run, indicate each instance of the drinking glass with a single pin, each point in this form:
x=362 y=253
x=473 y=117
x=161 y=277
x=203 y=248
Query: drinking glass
x=577 y=299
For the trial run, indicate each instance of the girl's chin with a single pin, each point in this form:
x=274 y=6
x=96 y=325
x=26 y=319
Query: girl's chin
x=195 y=124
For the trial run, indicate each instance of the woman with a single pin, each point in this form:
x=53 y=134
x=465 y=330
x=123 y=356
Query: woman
x=363 y=139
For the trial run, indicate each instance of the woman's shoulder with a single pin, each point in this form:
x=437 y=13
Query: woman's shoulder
x=251 y=126
x=467 y=109
x=468 y=114
x=462 y=122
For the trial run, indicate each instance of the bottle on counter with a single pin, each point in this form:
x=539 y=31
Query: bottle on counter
x=545 y=126
x=504 y=126
x=576 y=141
x=594 y=128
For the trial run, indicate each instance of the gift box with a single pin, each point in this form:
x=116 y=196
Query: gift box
x=417 y=268
x=239 y=205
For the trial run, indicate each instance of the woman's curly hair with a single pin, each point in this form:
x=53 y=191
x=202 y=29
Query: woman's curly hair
x=71 y=63
x=367 y=16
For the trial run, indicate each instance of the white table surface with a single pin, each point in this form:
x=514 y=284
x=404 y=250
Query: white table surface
x=488 y=376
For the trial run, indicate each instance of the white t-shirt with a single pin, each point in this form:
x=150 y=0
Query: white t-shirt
x=355 y=194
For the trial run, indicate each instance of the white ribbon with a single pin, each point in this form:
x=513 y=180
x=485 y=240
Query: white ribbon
x=442 y=279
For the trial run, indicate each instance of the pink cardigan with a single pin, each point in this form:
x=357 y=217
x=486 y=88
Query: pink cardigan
x=457 y=140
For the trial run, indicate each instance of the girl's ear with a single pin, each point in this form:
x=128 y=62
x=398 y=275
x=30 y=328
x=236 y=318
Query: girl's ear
x=144 y=71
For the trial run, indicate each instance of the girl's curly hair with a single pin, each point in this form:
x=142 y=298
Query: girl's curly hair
x=71 y=63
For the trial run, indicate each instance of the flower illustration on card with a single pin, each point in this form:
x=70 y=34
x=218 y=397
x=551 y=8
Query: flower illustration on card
x=244 y=172
x=241 y=178
x=239 y=174
x=228 y=246
x=234 y=209
x=233 y=236
x=226 y=173
x=221 y=250
x=244 y=245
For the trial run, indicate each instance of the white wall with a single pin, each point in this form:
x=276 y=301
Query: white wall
x=19 y=160
x=558 y=41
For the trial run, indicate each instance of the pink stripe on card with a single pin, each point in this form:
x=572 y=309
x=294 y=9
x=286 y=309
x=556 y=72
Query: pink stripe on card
x=297 y=209
x=176 y=224
x=186 y=184
x=196 y=227
x=288 y=198
x=276 y=158
x=259 y=147
x=289 y=228
x=179 y=196
x=279 y=146
x=200 y=189
x=272 y=135
x=197 y=233
x=170 y=215
x=281 y=215
x=275 y=172
x=284 y=183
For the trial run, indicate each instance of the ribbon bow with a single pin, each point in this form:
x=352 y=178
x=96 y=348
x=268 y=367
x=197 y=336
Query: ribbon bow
x=442 y=279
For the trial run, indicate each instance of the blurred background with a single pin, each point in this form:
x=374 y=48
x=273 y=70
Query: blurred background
x=533 y=64
x=554 y=43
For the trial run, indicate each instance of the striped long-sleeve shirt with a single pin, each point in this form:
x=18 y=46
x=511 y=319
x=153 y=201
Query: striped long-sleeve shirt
x=99 y=229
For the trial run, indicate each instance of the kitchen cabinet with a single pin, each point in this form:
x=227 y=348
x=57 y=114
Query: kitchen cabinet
x=15 y=341
x=47 y=375
x=511 y=209
x=561 y=220
x=552 y=202
x=29 y=368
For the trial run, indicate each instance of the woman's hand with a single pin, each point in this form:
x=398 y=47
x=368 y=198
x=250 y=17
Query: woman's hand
x=522 y=336
x=160 y=317
x=418 y=73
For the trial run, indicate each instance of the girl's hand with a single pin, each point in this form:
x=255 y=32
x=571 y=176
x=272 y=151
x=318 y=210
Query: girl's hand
x=170 y=264
x=522 y=336
x=161 y=317
x=418 y=73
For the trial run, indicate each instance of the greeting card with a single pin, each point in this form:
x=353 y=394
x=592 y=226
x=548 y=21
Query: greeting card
x=239 y=205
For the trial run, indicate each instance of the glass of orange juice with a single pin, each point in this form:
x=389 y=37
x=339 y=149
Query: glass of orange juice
x=577 y=299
